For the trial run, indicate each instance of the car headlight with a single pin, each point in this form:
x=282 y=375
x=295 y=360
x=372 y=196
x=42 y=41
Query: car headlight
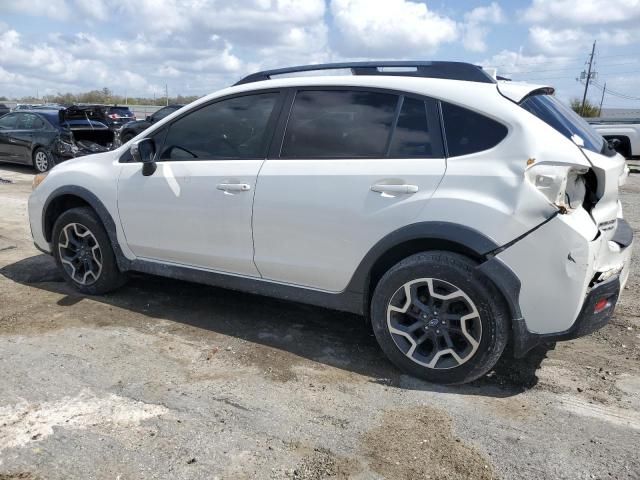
x=563 y=185
x=38 y=179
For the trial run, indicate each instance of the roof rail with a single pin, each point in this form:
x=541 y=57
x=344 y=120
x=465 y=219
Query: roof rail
x=448 y=70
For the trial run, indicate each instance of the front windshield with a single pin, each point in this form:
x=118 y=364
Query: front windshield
x=553 y=112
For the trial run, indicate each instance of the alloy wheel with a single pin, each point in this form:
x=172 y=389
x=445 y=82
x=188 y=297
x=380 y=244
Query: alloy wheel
x=434 y=323
x=80 y=253
x=41 y=161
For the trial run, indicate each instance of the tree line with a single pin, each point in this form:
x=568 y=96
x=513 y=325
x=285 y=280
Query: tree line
x=104 y=96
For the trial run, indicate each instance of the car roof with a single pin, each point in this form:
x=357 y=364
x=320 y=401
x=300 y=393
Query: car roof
x=51 y=115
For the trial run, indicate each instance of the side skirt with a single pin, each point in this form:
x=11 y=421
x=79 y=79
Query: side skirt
x=345 y=301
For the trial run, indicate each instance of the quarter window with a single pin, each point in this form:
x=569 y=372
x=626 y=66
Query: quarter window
x=230 y=129
x=29 y=121
x=469 y=132
x=337 y=123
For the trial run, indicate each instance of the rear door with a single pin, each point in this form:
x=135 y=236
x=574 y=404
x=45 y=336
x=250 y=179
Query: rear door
x=195 y=210
x=23 y=135
x=352 y=166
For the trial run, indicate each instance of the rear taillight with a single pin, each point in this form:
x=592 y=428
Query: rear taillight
x=601 y=305
x=562 y=185
x=113 y=115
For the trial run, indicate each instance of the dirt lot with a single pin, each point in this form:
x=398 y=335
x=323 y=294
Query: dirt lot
x=165 y=379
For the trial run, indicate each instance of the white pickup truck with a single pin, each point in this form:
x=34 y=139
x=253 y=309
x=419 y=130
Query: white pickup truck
x=626 y=131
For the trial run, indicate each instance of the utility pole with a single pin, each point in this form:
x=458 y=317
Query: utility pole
x=604 y=89
x=588 y=77
x=166 y=93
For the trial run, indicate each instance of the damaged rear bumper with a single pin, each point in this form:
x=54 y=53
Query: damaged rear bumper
x=592 y=317
x=566 y=269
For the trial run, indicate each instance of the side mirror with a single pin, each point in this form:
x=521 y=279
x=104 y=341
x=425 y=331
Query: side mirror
x=149 y=119
x=144 y=151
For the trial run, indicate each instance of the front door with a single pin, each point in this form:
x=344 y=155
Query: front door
x=196 y=208
x=22 y=136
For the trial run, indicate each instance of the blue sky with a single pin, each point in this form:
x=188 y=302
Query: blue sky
x=198 y=46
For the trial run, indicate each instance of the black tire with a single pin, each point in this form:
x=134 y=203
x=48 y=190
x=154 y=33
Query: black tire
x=42 y=160
x=492 y=319
x=109 y=277
x=126 y=137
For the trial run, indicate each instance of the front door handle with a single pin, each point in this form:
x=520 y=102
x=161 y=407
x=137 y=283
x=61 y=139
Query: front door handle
x=394 y=188
x=234 y=187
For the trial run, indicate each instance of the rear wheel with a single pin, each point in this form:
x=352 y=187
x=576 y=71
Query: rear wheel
x=436 y=318
x=83 y=252
x=42 y=160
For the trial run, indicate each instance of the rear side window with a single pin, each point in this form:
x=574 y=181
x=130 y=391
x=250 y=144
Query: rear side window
x=417 y=134
x=232 y=128
x=338 y=123
x=469 y=132
x=29 y=121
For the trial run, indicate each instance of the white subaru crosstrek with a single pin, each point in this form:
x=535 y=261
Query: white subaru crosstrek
x=456 y=213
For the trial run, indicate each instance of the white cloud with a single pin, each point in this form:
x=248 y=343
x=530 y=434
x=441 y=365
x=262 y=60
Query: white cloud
x=490 y=14
x=95 y=9
x=583 y=12
x=475 y=29
x=56 y=9
x=558 y=42
x=509 y=62
x=395 y=28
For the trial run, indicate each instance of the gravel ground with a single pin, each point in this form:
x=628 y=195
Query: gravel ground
x=166 y=379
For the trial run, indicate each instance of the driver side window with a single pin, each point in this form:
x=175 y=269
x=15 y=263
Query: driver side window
x=235 y=128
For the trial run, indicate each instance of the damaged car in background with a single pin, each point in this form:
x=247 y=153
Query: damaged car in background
x=43 y=138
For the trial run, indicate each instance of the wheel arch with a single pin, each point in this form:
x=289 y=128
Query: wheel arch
x=425 y=236
x=71 y=196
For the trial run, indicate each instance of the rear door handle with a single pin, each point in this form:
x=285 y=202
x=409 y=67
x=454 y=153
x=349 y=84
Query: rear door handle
x=234 y=187
x=395 y=189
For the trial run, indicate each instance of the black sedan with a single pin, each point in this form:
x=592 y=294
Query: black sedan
x=131 y=129
x=43 y=138
x=4 y=109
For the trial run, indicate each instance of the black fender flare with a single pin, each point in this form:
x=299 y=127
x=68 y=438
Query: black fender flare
x=94 y=202
x=443 y=235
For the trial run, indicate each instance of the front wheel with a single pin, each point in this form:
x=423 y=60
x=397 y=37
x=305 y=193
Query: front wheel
x=438 y=319
x=83 y=252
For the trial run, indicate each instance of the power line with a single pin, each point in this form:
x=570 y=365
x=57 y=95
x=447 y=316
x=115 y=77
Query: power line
x=614 y=93
x=635 y=62
x=576 y=60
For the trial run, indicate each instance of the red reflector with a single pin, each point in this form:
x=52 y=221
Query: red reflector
x=601 y=305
